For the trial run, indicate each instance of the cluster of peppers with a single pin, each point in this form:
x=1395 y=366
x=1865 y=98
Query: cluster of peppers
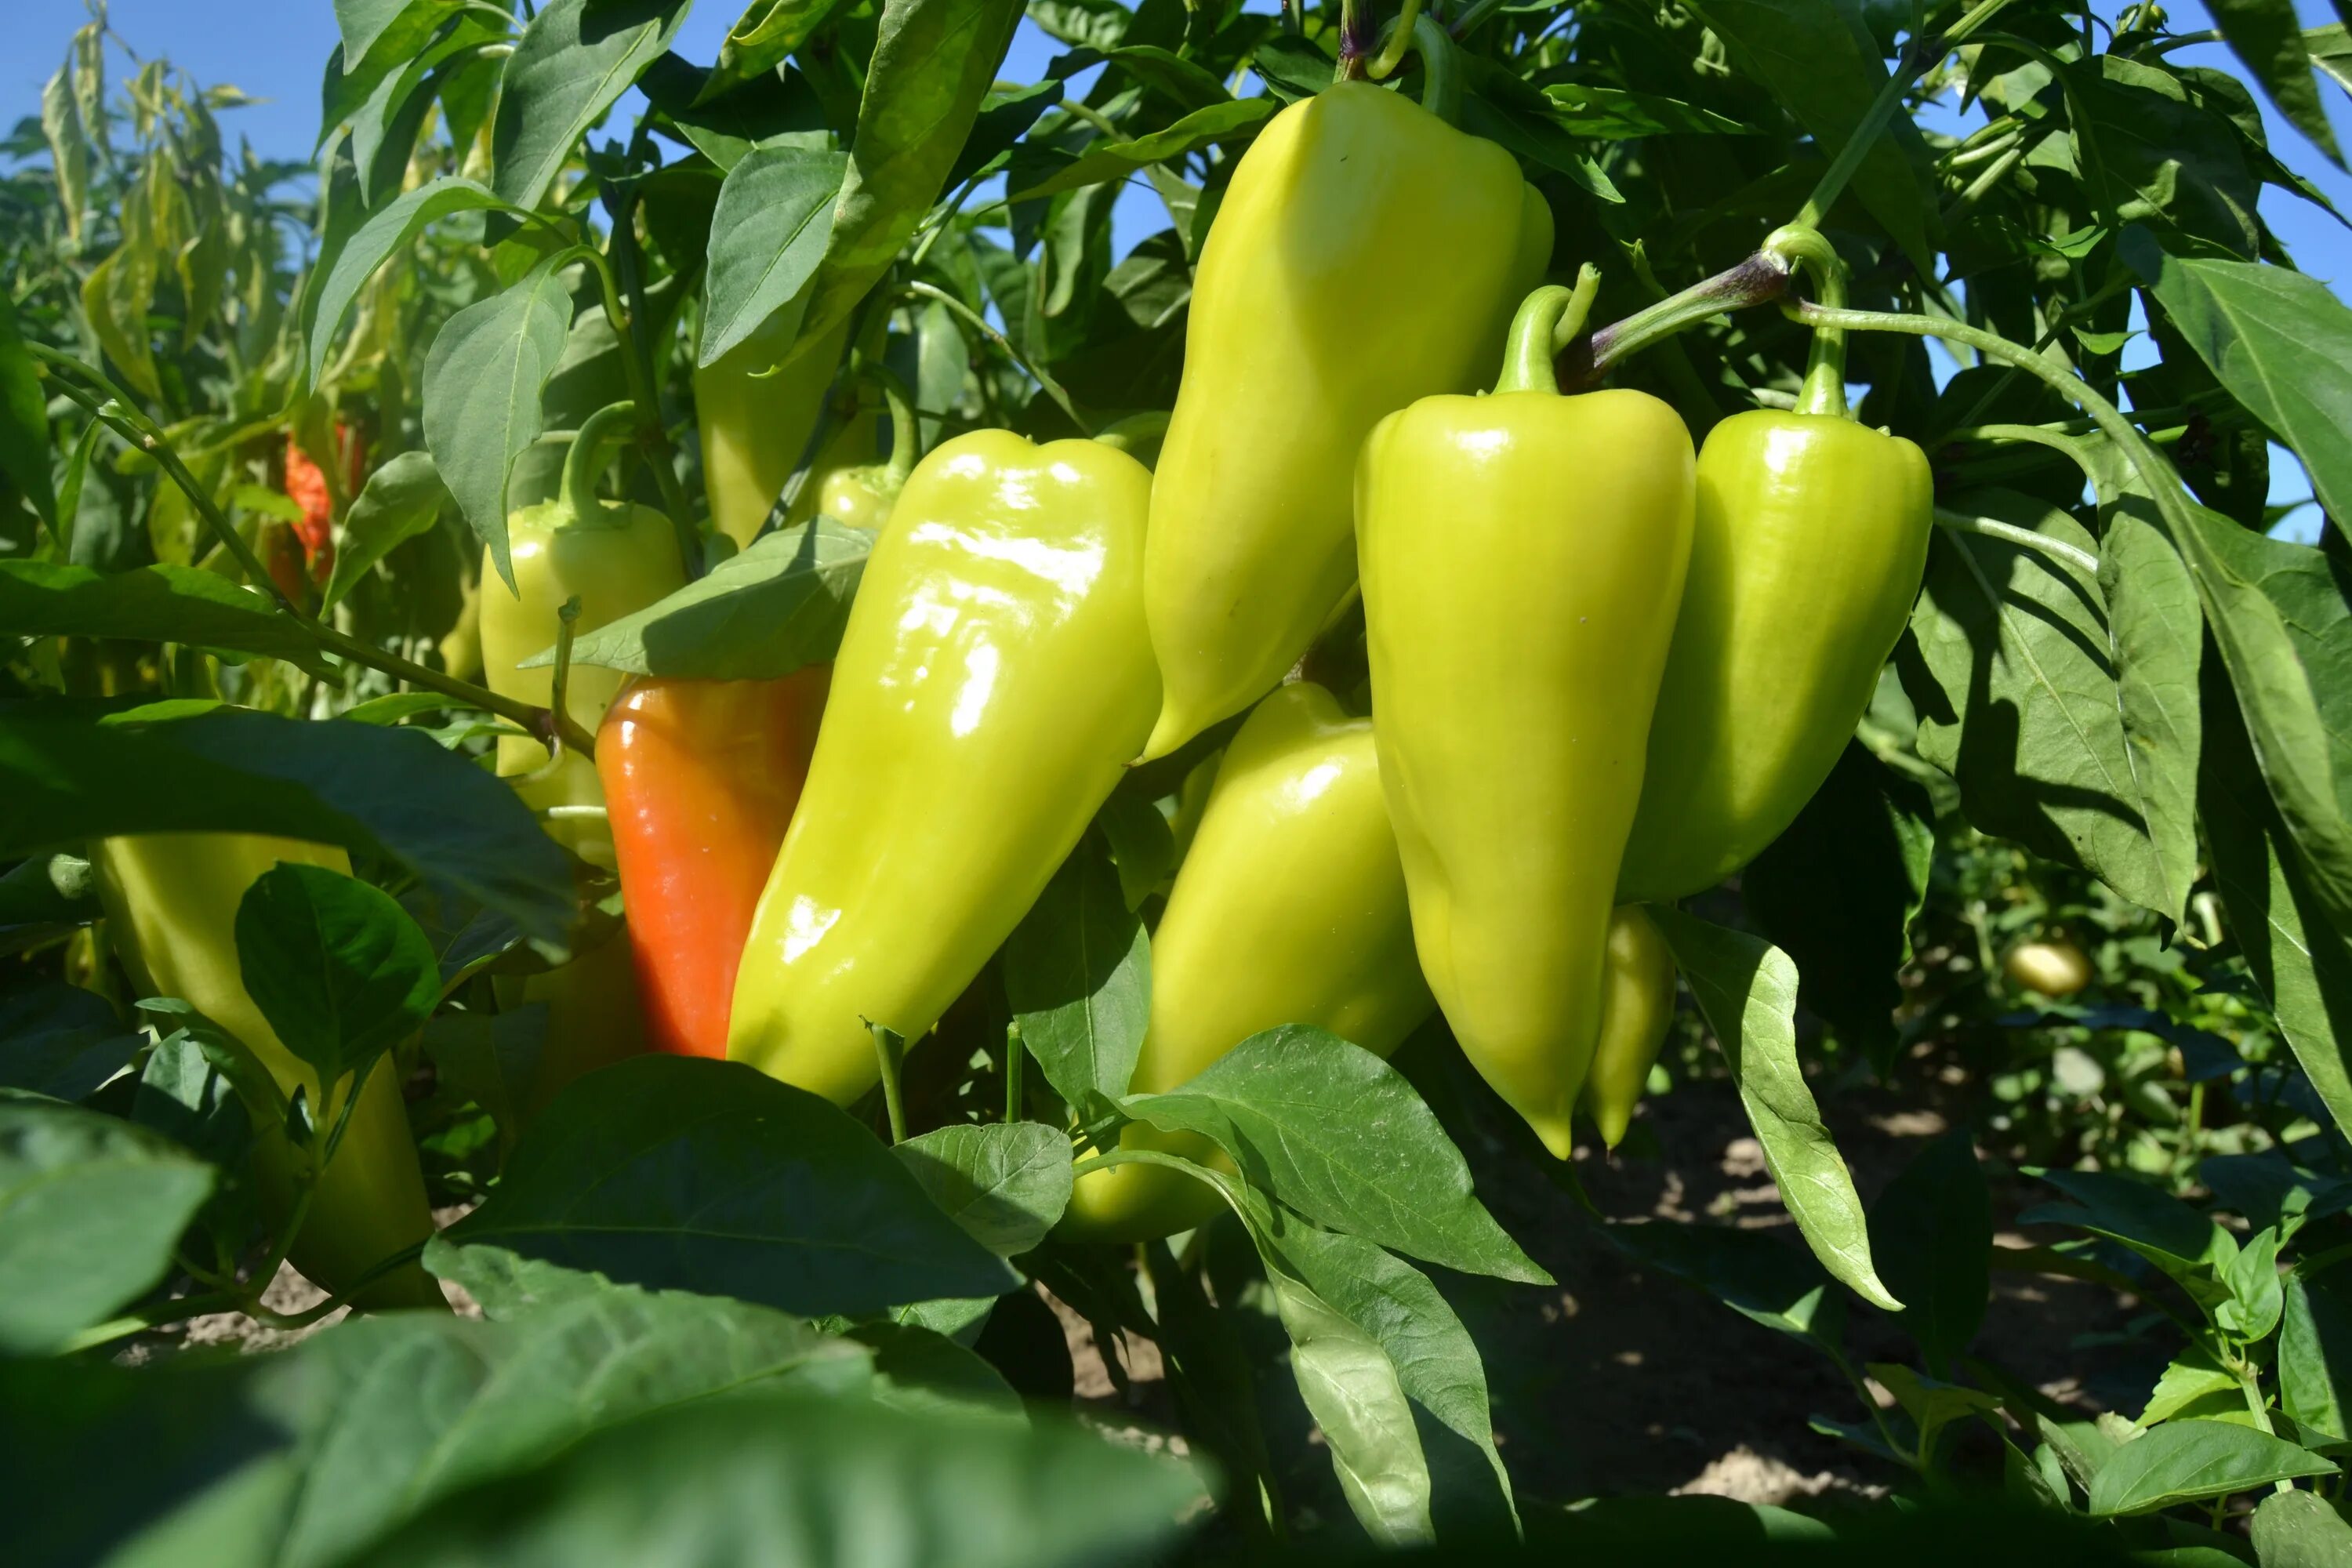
x=1605 y=671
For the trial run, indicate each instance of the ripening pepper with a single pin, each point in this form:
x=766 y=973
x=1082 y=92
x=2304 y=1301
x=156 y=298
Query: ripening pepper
x=753 y=424
x=1811 y=536
x=170 y=903
x=1637 y=1004
x=1366 y=253
x=1523 y=555
x=993 y=682
x=701 y=777
x=1810 y=539
x=1289 y=908
x=617 y=559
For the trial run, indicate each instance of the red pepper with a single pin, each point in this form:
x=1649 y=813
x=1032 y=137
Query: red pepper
x=306 y=486
x=700 y=779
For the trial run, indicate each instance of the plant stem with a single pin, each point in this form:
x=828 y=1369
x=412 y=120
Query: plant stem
x=2081 y=562
x=1923 y=53
x=1002 y=345
x=636 y=368
x=1755 y=281
x=1016 y=1051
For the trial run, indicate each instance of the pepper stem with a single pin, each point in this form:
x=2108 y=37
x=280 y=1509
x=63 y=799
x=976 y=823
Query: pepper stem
x=905 y=435
x=1824 y=389
x=1441 y=73
x=1548 y=321
x=584 y=463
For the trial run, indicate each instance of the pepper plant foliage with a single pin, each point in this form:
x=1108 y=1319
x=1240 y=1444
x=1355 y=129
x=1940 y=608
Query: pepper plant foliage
x=2111 y=666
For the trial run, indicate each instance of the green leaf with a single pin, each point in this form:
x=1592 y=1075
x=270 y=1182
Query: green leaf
x=573 y=62
x=2017 y=699
x=933 y=62
x=1807 y=57
x=24 y=421
x=116 y=297
x=762 y=37
x=2146 y=153
x=1352 y=1389
x=61 y=125
x=2151 y=1221
x=2315 y=1357
x=152 y=604
x=1931 y=1232
x=777 y=606
x=693 y=1485
x=1331 y=1129
x=1006 y=1182
x=2156 y=637
x=337 y=966
x=1077 y=970
x=2298 y=1528
x=1750 y=1271
x=71 y=770
x=2254 y=1304
x=374 y=243
x=2183 y=1461
x=2279 y=340
x=769 y=234
x=90 y=1208
x=1611 y=113
x=1838 y=890
x=400 y=500
x=363 y=22
x=61 y=1041
x=1040 y=169
x=678 y=1172
x=1437 y=1366
x=2193 y=1376
x=482 y=384
x=922 y=1372
x=2266 y=37
x=490 y=1059
x=1747 y=990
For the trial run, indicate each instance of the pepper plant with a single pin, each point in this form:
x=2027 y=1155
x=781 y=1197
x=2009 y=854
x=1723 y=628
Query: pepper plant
x=338 y=504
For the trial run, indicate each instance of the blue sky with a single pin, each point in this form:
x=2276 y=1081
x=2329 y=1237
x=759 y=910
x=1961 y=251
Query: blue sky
x=275 y=49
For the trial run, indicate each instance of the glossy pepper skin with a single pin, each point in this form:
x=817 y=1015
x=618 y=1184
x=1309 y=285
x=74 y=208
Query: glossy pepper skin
x=617 y=560
x=1367 y=254
x=701 y=777
x=1289 y=908
x=994 y=680
x=1637 y=1004
x=752 y=425
x=1523 y=555
x=1811 y=539
x=170 y=901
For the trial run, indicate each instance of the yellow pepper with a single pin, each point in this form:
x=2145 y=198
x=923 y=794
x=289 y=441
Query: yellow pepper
x=1367 y=254
x=994 y=680
x=1523 y=555
x=1289 y=908
x=1637 y=1004
x=753 y=424
x=170 y=903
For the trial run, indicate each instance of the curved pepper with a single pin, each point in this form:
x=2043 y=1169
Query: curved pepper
x=617 y=560
x=701 y=777
x=754 y=424
x=994 y=680
x=1523 y=555
x=1637 y=1004
x=1289 y=908
x=170 y=903
x=1367 y=254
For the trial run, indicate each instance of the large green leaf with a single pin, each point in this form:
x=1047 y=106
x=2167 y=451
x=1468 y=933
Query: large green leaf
x=933 y=62
x=91 y=1208
x=2184 y=1461
x=679 y=1174
x=1077 y=970
x=775 y=217
x=574 y=60
x=1748 y=989
x=151 y=603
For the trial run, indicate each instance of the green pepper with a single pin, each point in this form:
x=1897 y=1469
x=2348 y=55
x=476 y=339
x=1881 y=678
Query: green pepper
x=1289 y=908
x=994 y=680
x=170 y=903
x=753 y=421
x=1811 y=539
x=1637 y=1004
x=1366 y=253
x=1523 y=555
